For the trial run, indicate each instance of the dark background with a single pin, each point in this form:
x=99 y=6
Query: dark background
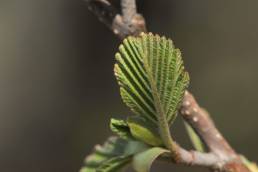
x=57 y=89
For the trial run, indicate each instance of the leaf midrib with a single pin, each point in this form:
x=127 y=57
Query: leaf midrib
x=161 y=116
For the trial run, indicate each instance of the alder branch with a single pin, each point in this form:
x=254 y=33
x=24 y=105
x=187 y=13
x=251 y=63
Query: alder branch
x=195 y=158
x=128 y=10
x=221 y=156
x=203 y=125
x=201 y=122
x=122 y=25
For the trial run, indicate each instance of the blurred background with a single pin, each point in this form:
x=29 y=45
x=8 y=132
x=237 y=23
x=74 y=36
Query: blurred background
x=58 y=91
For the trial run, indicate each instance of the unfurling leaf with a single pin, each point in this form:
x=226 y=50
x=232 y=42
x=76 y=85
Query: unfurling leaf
x=151 y=76
x=144 y=131
x=114 y=164
x=115 y=154
x=121 y=128
x=136 y=128
x=143 y=160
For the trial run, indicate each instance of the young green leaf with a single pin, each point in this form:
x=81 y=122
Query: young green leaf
x=152 y=79
x=195 y=139
x=121 y=128
x=143 y=160
x=113 y=155
x=144 y=131
x=114 y=164
x=136 y=128
x=151 y=76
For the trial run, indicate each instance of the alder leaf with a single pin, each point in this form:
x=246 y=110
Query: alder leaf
x=136 y=128
x=114 y=164
x=144 y=131
x=195 y=139
x=151 y=76
x=121 y=128
x=114 y=155
x=143 y=160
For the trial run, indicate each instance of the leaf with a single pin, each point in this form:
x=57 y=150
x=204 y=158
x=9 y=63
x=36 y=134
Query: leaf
x=195 y=139
x=151 y=76
x=114 y=164
x=136 y=128
x=143 y=131
x=152 y=80
x=112 y=156
x=143 y=161
x=121 y=128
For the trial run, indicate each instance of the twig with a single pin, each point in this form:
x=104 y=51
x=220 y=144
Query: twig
x=122 y=25
x=201 y=122
x=194 y=158
x=128 y=10
x=221 y=156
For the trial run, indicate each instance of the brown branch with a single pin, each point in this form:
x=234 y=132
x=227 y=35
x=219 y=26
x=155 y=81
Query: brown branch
x=122 y=25
x=130 y=22
x=194 y=158
x=201 y=122
x=128 y=10
x=221 y=156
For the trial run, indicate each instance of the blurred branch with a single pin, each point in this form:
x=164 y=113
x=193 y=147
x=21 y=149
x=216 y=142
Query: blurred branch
x=128 y=10
x=103 y=10
x=221 y=156
x=122 y=25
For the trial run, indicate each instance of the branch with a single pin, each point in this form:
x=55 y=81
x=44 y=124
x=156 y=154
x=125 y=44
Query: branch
x=196 y=158
x=122 y=25
x=128 y=10
x=201 y=122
